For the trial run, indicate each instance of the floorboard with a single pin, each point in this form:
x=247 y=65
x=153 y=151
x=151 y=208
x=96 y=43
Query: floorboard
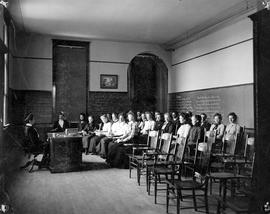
x=96 y=191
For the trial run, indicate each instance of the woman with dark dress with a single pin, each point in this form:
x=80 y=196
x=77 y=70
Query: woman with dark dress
x=159 y=121
x=34 y=145
x=61 y=124
x=175 y=121
x=82 y=123
x=117 y=151
x=196 y=133
x=168 y=126
x=88 y=132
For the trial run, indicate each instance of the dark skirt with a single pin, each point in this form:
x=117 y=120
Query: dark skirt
x=118 y=155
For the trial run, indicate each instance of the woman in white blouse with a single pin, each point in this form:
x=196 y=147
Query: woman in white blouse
x=117 y=151
x=183 y=131
x=106 y=131
x=149 y=124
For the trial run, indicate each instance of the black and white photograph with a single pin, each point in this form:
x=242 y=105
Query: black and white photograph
x=134 y=106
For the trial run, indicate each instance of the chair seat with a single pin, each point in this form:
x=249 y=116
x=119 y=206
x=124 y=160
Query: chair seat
x=225 y=175
x=137 y=157
x=162 y=170
x=217 y=165
x=186 y=184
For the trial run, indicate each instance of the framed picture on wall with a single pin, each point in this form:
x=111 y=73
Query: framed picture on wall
x=108 y=81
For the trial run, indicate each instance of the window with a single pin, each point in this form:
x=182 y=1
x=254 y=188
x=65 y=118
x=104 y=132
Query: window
x=6 y=73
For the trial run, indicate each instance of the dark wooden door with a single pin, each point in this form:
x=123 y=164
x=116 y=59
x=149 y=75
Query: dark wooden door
x=70 y=78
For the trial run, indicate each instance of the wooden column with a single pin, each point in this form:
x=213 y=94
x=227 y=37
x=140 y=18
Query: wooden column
x=261 y=22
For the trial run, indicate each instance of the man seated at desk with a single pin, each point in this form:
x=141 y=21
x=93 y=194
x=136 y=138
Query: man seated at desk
x=61 y=124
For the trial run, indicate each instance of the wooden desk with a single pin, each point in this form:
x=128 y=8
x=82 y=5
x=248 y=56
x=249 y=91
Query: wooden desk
x=65 y=153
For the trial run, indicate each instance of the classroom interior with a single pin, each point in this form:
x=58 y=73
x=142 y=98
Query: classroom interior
x=161 y=56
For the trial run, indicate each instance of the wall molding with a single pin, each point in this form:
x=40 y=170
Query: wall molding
x=30 y=57
x=211 y=52
x=111 y=62
x=205 y=89
x=115 y=92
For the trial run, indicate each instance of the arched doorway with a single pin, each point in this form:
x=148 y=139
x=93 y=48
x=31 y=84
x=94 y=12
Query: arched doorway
x=148 y=83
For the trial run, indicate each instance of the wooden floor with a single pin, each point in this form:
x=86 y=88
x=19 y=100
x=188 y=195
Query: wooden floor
x=97 y=191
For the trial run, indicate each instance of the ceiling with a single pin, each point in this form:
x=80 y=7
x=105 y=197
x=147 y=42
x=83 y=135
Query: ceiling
x=151 y=21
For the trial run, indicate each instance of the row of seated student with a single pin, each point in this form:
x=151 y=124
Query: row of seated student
x=113 y=132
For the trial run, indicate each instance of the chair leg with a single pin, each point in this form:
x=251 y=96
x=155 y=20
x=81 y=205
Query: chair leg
x=194 y=199
x=147 y=179
x=155 y=188
x=138 y=175
x=129 y=164
x=167 y=199
x=206 y=202
x=149 y=182
x=211 y=186
x=220 y=188
x=233 y=186
x=218 y=207
x=180 y=195
x=178 y=202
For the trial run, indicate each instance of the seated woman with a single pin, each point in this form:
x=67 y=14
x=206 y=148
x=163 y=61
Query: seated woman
x=196 y=133
x=183 y=131
x=159 y=121
x=116 y=151
x=88 y=132
x=168 y=126
x=139 y=117
x=204 y=123
x=220 y=128
x=118 y=129
x=149 y=125
x=141 y=122
x=175 y=121
x=232 y=129
x=100 y=149
x=106 y=130
x=61 y=124
x=34 y=144
x=82 y=123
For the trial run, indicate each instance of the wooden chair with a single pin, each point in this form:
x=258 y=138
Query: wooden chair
x=246 y=158
x=162 y=154
x=239 y=202
x=198 y=182
x=163 y=168
x=242 y=167
x=227 y=154
x=138 y=153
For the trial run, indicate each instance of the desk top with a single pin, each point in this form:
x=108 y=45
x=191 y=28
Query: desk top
x=63 y=135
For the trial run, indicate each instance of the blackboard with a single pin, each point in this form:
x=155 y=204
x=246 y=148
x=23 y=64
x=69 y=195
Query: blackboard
x=238 y=99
